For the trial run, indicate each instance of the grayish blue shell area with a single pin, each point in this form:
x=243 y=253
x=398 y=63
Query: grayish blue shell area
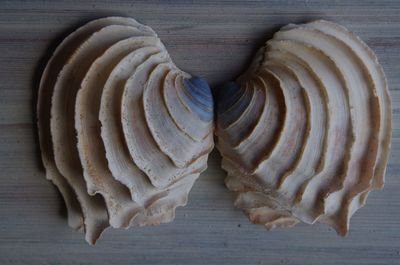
x=197 y=94
x=232 y=102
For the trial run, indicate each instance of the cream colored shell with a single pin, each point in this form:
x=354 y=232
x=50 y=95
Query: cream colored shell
x=305 y=132
x=122 y=131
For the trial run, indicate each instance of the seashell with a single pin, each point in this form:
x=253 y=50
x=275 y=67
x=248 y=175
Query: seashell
x=305 y=132
x=124 y=133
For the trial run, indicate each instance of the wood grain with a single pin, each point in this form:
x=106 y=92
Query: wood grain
x=214 y=40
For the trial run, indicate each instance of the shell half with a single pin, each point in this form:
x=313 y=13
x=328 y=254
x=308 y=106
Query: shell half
x=305 y=132
x=124 y=133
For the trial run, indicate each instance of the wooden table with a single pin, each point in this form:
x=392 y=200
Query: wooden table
x=211 y=40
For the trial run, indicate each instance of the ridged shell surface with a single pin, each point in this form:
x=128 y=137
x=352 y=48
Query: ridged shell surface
x=124 y=133
x=305 y=132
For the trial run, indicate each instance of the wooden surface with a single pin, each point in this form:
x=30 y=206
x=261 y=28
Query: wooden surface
x=208 y=39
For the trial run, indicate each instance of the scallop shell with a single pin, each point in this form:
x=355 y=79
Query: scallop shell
x=305 y=132
x=124 y=133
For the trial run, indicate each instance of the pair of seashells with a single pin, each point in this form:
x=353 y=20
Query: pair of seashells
x=304 y=133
